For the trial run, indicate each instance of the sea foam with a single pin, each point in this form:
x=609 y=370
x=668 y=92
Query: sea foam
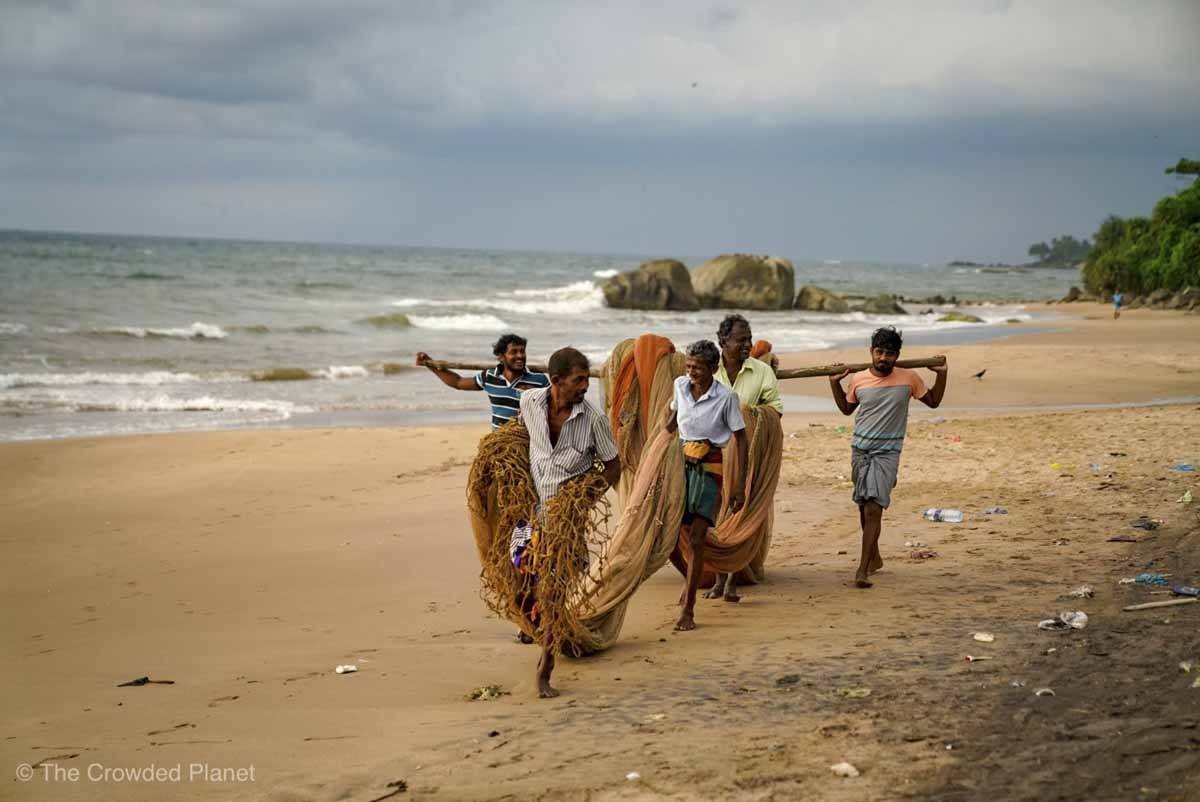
x=152 y=378
x=458 y=322
x=196 y=331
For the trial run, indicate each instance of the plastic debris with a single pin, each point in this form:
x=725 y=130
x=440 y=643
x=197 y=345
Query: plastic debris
x=486 y=693
x=939 y=514
x=1063 y=467
x=984 y=637
x=633 y=776
x=1151 y=579
x=1017 y=683
x=854 y=693
x=995 y=511
x=922 y=554
x=914 y=544
x=1185 y=667
x=970 y=658
x=1186 y=498
x=1094 y=466
x=1149 y=524
x=346 y=669
x=937 y=420
x=1044 y=692
x=1082 y=592
x=1129 y=580
x=1185 y=590
x=1186 y=467
x=844 y=769
x=1065 y=622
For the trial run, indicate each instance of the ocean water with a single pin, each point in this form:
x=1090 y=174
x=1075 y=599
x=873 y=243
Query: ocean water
x=105 y=335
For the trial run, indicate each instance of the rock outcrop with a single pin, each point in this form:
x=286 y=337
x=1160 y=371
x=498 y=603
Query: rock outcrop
x=959 y=317
x=742 y=281
x=880 y=305
x=818 y=299
x=663 y=284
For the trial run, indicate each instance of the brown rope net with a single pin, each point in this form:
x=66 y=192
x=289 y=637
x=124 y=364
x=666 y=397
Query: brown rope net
x=586 y=573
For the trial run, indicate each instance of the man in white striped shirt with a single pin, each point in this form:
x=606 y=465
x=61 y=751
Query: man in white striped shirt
x=567 y=437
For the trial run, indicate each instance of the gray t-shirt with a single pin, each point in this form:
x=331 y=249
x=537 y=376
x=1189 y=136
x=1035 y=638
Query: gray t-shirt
x=882 y=417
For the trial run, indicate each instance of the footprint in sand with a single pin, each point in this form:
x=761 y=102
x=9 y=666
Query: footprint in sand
x=219 y=699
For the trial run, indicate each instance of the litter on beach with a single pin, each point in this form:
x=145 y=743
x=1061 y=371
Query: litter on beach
x=346 y=669
x=1065 y=622
x=844 y=769
x=984 y=637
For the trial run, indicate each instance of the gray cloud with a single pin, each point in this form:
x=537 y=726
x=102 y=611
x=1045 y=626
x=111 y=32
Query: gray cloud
x=347 y=97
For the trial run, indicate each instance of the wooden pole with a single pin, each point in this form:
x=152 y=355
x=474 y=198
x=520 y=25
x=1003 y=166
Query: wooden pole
x=833 y=370
x=785 y=373
x=1166 y=603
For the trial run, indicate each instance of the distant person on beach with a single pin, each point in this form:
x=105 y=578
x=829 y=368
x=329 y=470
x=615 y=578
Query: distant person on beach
x=881 y=396
x=503 y=383
x=1118 y=299
x=567 y=438
x=707 y=416
x=754 y=382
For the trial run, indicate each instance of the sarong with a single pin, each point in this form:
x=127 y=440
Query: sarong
x=702 y=470
x=874 y=475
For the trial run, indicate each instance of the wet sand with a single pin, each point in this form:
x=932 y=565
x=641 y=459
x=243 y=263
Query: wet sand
x=246 y=565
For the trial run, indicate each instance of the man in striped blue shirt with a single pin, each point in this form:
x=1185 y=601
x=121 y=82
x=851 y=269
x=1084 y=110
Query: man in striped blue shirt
x=503 y=383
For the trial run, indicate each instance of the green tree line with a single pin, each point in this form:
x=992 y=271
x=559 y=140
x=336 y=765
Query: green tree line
x=1061 y=252
x=1138 y=255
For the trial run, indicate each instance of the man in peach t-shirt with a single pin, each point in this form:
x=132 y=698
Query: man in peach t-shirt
x=881 y=396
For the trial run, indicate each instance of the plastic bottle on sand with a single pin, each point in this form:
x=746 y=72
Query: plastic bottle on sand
x=938 y=514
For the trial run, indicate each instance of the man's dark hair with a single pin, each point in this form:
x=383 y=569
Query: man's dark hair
x=726 y=327
x=887 y=338
x=501 y=346
x=706 y=352
x=565 y=360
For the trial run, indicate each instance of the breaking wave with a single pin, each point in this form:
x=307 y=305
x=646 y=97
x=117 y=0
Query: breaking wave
x=196 y=331
x=458 y=322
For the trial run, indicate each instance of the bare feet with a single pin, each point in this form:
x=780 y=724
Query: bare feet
x=861 y=581
x=686 y=622
x=545 y=691
x=731 y=596
x=717 y=591
x=875 y=564
x=544 y=670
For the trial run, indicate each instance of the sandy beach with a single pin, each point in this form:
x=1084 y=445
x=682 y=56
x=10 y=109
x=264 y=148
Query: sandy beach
x=245 y=565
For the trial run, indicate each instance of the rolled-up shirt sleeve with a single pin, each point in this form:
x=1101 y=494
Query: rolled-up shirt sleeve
x=602 y=436
x=733 y=413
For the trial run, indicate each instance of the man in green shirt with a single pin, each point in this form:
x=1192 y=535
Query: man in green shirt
x=755 y=384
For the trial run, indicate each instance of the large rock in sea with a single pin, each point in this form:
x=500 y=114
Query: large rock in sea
x=662 y=284
x=880 y=305
x=1073 y=295
x=818 y=299
x=745 y=282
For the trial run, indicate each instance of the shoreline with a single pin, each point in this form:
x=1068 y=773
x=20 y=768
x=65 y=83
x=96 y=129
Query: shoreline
x=1043 y=337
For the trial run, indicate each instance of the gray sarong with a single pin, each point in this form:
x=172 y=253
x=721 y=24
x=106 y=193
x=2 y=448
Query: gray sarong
x=874 y=475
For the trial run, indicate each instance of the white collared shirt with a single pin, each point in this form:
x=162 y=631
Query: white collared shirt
x=714 y=416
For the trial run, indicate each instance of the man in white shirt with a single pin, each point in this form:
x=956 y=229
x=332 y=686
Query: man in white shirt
x=707 y=416
x=567 y=437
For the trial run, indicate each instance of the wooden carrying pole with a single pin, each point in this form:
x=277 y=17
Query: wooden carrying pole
x=785 y=373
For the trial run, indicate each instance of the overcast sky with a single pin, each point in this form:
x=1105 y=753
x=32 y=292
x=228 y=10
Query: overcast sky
x=823 y=129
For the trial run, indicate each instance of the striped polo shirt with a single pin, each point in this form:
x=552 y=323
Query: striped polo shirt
x=504 y=397
x=585 y=438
